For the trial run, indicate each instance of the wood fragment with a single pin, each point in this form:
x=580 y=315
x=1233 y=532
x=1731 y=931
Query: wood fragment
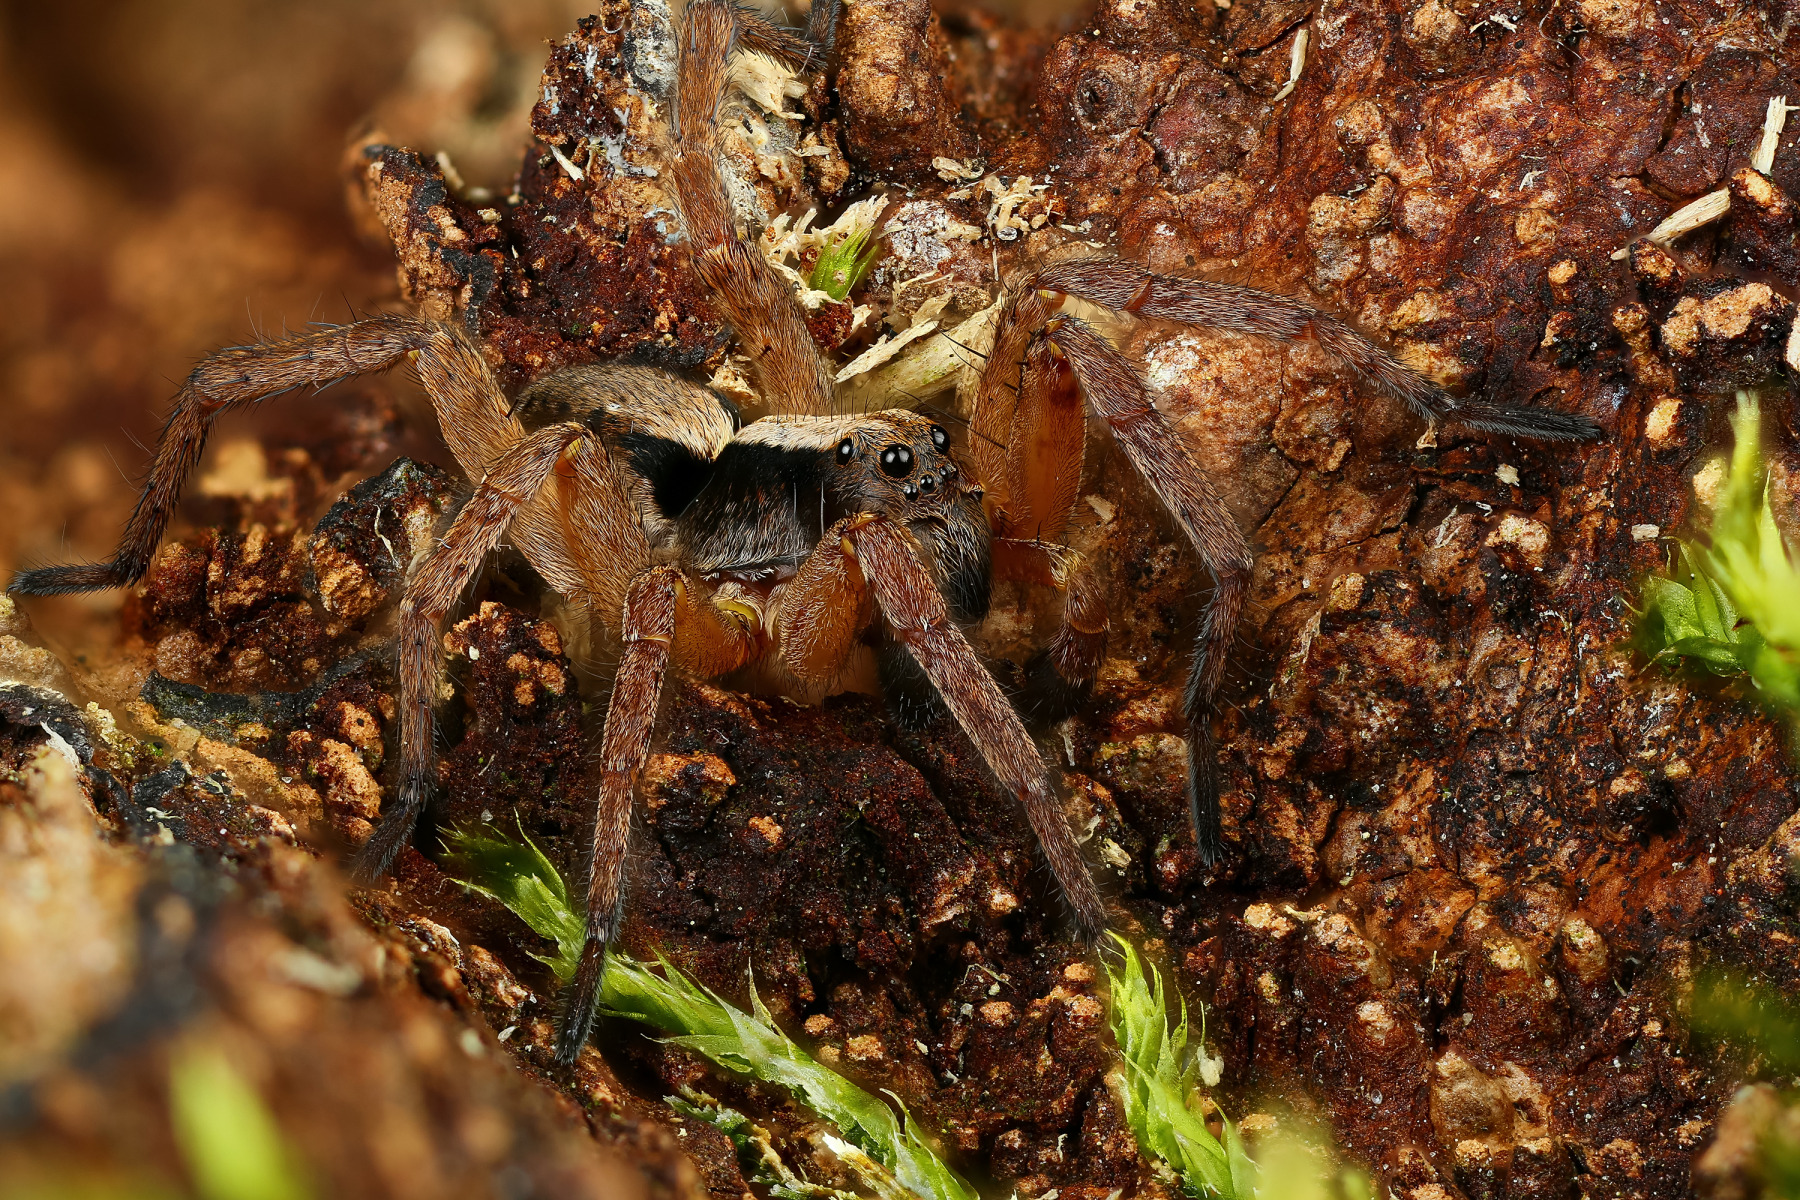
x=562 y=160
x=1714 y=205
x=1296 y=64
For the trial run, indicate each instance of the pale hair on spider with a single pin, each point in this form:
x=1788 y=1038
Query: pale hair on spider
x=640 y=496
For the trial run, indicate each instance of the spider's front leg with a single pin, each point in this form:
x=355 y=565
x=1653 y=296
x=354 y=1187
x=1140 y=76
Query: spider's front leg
x=871 y=554
x=665 y=619
x=431 y=591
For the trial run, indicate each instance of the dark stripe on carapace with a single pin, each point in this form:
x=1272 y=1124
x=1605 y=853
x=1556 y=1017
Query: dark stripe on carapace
x=763 y=504
x=675 y=473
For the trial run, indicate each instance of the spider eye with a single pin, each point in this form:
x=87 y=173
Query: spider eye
x=846 y=450
x=939 y=438
x=896 y=461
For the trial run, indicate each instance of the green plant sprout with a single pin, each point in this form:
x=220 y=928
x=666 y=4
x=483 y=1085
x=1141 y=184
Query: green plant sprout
x=228 y=1139
x=843 y=266
x=1160 y=1094
x=1731 y=604
x=519 y=876
x=1724 y=1006
x=756 y=1154
x=1159 y=1089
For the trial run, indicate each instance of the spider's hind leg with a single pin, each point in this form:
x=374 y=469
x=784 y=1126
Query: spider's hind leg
x=1129 y=288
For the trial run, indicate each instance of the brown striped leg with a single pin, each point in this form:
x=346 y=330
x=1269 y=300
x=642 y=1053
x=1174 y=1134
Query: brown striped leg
x=599 y=528
x=915 y=611
x=230 y=379
x=430 y=593
x=663 y=619
x=1127 y=287
x=1116 y=392
x=758 y=303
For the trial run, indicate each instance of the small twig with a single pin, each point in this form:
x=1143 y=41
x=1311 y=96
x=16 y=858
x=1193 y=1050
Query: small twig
x=1296 y=63
x=1714 y=205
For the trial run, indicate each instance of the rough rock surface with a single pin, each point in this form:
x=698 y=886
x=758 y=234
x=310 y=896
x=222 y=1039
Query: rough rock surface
x=1475 y=849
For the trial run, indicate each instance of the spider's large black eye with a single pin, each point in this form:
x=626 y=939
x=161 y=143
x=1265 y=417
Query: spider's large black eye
x=939 y=438
x=846 y=450
x=896 y=461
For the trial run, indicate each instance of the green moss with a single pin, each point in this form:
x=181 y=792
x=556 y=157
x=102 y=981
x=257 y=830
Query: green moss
x=231 y=1145
x=1160 y=1088
x=757 y=1157
x=518 y=875
x=1160 y=1093
x=1769 y=1023
x=1730 y=603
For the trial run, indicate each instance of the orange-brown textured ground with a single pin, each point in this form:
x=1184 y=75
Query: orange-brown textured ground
x=1475 y=850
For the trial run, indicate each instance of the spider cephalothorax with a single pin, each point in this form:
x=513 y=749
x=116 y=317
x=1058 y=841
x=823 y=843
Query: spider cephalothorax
x=713 y=546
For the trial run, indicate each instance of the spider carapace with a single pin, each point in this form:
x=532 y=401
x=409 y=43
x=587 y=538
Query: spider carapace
x=787 y=542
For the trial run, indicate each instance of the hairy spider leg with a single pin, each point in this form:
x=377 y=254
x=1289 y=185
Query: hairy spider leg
x=915 y=611
x=663 y=620
x=758 y=304
x=1129 y=288
x=823 y=613
x=825 y=606
x=1010 y=404
x=231 y=378
x=1116 y=392
x=468 y=403
x=600 y=527
x=430 y=593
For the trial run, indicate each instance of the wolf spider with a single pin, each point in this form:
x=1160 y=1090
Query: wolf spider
x=713 y=546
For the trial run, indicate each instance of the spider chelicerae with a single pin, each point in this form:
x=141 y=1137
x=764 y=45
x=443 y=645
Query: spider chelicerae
x=711 y=545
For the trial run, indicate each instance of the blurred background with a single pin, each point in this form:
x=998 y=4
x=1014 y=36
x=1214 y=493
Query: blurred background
x=170 y=182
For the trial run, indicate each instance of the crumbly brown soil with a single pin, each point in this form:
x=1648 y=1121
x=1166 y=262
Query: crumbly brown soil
x=1475 y=849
